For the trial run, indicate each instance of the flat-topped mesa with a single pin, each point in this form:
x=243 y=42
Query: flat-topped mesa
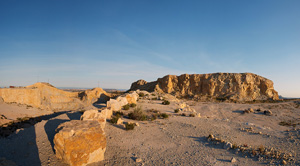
x=233 y=86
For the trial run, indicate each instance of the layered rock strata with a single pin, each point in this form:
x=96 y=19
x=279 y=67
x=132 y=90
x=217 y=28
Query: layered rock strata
x=46 y=96
x=233 y=86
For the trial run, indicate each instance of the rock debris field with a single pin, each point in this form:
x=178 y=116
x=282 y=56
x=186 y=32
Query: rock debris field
x=179 y=139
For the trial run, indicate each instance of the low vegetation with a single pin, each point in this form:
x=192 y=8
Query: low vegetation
x=137 y=114
x=141 y=94
x=132 y=105
x=176 y=110
x=166 y=102
x=126 y=107
x=289 y=123
x=164 y=115
x=129 y=126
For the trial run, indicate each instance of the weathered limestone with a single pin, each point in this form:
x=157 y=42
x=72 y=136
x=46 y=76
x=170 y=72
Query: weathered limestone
x=234 y=86
x=79 y=143
x=95 y=115
x=119 y=102
x=132 y=97
x=46 y=96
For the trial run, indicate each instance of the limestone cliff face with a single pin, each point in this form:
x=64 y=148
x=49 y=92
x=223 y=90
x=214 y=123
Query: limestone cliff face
x=234 y=86
x=46 y=96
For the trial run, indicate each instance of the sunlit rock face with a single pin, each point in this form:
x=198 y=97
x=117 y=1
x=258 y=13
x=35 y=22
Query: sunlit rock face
x=233 y=86
x=45 y=96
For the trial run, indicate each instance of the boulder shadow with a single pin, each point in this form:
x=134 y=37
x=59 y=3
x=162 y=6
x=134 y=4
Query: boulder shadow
x=51 y=125
x=238 y=111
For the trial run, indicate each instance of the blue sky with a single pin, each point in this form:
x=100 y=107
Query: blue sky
x=76 y=43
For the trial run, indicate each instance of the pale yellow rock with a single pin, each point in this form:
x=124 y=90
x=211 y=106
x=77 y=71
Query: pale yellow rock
x=46 y=96
x=132 y=97
x=107 y=112
x=79 y=143
x=182 y=105
x=120 y=121
x=234 y=86
x=94 y=115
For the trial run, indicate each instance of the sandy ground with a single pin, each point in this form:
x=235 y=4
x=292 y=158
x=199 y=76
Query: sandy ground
x=178 y=140
x=14 y=111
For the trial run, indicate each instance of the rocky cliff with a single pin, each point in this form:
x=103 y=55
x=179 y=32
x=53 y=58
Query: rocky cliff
x=233 y=86
x=46 y=96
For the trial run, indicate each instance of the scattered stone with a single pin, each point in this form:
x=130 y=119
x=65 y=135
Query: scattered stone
x=80 y=142
x=227 y=146
x=283 y=162
x=138 y=160
x=120 y=121
x=233 y=160
x=268 y=112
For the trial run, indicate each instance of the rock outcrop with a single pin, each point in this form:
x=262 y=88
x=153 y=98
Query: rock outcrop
x=46 y=96
x=233 y=86
x=80 y=143
x=119 y=102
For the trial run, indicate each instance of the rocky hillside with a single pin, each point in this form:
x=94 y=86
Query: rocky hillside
x=46 y=96
x=233 y=86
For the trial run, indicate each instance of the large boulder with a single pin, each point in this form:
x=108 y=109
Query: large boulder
x=79 y=143
x=233 y=86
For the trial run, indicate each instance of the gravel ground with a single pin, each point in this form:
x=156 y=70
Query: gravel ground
x=178 y=140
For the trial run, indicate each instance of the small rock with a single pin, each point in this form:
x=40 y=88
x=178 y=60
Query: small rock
x=120 y=121
x=283 y=162
x=138 y=160
x=268 y=112
x=233 y=160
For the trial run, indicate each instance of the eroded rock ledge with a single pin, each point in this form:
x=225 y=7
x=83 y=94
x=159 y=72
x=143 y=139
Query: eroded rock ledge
x=232 y=86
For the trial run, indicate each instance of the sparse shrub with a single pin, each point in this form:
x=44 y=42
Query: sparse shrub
x=141 y=94
x=153 y=117
x=288 y=123
x=261 y=149
x=114 y=119
x=166 y=102
x=132 y=105
x=192 y=115
x=176 y=110
x=154 y=98
x=137 y=114
x=126 y=107
x=183 y=114
x=129 y=126
x=119 y=113
x=234 y=146
x=154 y=111
x=164 y=115
x=153 y=94
x=221 y=98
